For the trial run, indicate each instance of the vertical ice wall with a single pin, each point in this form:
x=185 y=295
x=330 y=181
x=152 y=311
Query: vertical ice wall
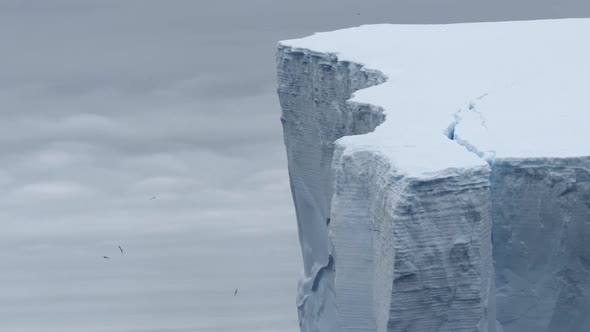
x=313 y=90
x=541 y=213
x=444 y=272
x=382 y=251
x=411 y=253
x=365 y=191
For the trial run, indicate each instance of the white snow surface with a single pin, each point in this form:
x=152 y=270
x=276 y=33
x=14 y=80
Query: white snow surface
x=413 y=148
x=519 y=89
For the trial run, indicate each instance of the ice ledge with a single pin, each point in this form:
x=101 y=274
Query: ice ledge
x=511 y=82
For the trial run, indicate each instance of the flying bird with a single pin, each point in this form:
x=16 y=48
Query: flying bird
x=105 y=257
x=121 y=250
x=236 y=292
x=154 y=197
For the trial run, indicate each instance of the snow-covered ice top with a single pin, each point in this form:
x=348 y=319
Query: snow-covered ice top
x=513 y=89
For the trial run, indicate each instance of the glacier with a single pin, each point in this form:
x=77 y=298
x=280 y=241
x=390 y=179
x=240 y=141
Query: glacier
x=441 y=176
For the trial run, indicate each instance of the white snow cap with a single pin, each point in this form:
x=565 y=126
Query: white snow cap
x=501 y=90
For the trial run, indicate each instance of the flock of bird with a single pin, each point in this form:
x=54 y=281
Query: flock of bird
x=120 y=248
x=122 y=253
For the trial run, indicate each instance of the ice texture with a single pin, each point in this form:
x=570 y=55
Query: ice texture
x=541 y=214
x=412 y=149
x=314 y=89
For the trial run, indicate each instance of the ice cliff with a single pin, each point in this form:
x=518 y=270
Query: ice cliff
x=441 y=176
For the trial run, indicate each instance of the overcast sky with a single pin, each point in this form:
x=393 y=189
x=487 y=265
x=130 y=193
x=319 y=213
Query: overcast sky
x=106 y=104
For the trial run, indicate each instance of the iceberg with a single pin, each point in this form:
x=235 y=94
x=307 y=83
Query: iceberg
x=441 y=176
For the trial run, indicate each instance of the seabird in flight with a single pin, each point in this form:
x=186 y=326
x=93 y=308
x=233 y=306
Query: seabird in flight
x=236 y=292
x=121 y=250
x=105 y=257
